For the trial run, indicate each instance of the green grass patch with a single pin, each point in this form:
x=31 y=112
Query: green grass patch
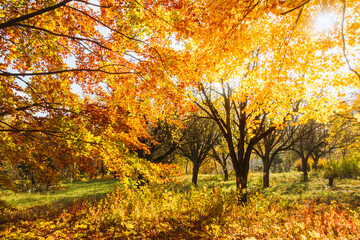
x=287 y=186
x=71 y=192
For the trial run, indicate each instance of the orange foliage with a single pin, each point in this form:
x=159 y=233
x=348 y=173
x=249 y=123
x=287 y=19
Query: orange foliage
x=121 y=55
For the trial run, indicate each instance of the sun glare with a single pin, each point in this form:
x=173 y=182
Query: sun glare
x=324 y=22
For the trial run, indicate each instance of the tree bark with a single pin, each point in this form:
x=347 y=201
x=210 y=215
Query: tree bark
x=305 y=170
x=25 y=17
x=224 y=167
x=241 y=186
x=195 y=174
x=266 y=177
x=102 y=170
x=267 y=160
x=217 y=173
x=331 y=182
x=226 y=174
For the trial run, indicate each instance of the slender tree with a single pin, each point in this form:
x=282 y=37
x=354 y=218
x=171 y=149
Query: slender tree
x=221 y=155
x=277 y=142
x=199 y=139
x=308 y=144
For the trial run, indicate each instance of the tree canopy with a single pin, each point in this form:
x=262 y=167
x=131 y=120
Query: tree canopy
x=84 y=79
x=81 y=80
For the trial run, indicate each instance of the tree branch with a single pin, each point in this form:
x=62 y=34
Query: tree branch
x=7 y=74
x=4 y=113
x=343 y=40
x=27 y=131
x=13 y=21
x=62 y=35
x=295 y=8
x=152 y=13
x=92 y=4
x=122 y=34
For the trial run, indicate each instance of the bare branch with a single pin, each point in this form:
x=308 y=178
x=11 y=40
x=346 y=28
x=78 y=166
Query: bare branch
x=4 y=113
x=232 y=30
x=8 y=40
x=210 y=4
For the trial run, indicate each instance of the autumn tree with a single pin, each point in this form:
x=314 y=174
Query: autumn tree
x=343 y=134
x=313 y=140
x=235 y=120
x=275 y=143
x=200 y=137
x=343 y=128
x=326 y=148
x=122 y=55
x=81 y=75
x=280 y=140
x=221 y=155
x=165 y=139
x=271 y=55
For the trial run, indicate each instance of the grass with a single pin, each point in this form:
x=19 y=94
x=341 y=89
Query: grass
x=288 y=186
x=282 y=185
x=71 y=192
x=289 y=209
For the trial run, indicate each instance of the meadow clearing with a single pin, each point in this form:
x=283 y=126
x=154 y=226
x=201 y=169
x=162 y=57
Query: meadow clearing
x=106 y=209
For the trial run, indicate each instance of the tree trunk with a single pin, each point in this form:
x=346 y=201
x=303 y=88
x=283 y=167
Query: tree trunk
x=241 y=186
x=266 y=169
x=266 y=177
x=316 y=157
x=305 y=176
x=102 y=170
x=305 y=170
x=224 y=167
x=331 y=182
x=226 y=174
x=195 y=174
x=186 y=169
x=316 y=161
x=217 y=173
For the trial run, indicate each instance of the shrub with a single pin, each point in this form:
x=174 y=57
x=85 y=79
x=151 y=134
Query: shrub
x=297 y=165
x=321 y=163
x=349 y=168
x=311 y=164
x=331 y=170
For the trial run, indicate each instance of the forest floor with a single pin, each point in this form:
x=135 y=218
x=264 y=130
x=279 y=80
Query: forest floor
x=289 y=209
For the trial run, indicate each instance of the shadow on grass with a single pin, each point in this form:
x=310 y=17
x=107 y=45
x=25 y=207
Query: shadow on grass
x=31 y=206
x=295 y=188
